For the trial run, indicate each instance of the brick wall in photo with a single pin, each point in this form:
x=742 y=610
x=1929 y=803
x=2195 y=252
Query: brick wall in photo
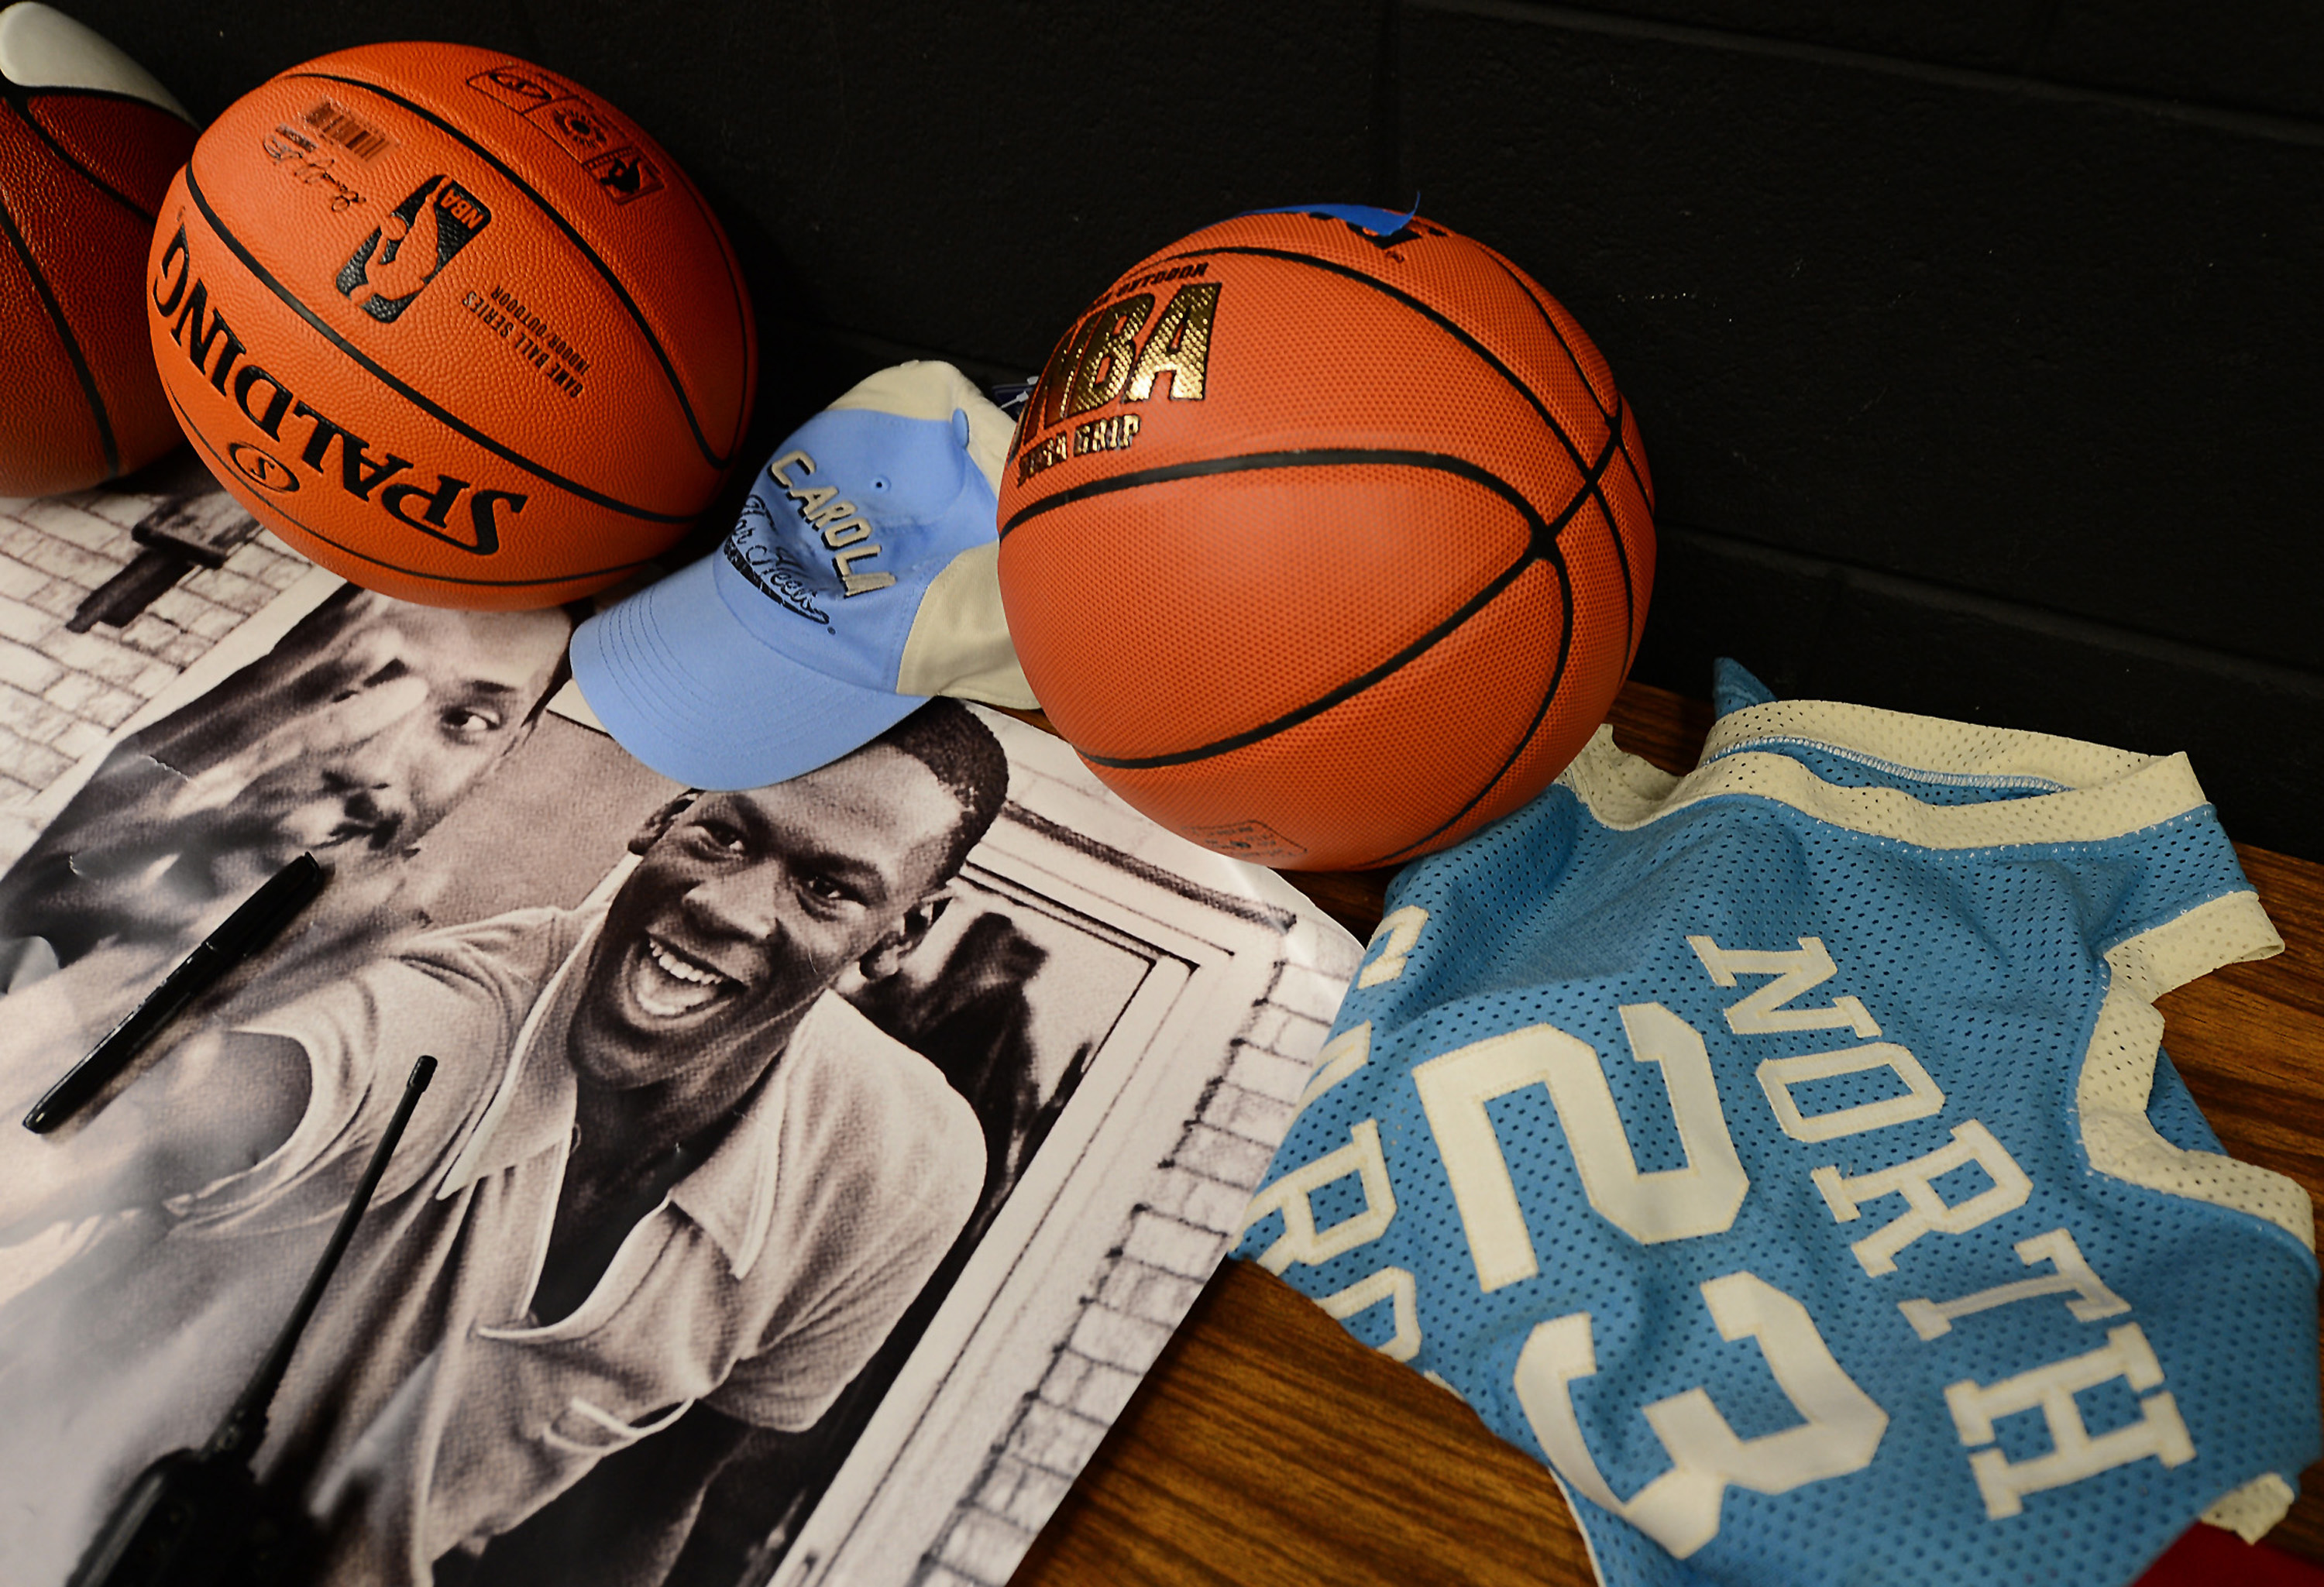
x=1173 y=1241
x=63 y=693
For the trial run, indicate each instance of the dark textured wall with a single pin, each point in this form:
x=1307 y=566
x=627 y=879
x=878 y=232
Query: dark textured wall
x=1975 y=348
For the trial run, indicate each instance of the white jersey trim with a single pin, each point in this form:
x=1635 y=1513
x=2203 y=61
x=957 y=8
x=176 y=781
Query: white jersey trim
x=1623 y=793
x=2117 y=1076
x=1953 y=750
x=2251 y=1510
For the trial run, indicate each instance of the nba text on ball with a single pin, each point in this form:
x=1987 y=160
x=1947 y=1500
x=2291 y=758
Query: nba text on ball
x=266 y=402
x=1105 y=360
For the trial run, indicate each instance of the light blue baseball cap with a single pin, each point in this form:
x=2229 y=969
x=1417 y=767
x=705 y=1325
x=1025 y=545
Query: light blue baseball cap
x=862 y=577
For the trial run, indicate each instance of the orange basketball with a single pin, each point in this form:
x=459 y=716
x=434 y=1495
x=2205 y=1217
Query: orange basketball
x=451 y=326
x=1326 y=538
x=87 y=141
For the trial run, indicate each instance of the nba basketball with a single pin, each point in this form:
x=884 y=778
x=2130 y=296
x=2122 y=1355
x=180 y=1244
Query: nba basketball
x=450 y=325
x=1326 y=538
x=88 y=141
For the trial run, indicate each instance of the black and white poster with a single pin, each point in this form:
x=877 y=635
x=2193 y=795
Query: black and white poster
x=808 y=1173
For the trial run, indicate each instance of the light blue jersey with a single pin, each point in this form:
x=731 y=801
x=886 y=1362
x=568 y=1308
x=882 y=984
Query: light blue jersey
x=1787 y=1155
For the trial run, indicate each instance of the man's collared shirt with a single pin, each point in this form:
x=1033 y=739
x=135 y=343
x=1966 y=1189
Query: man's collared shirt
x=425 y=1397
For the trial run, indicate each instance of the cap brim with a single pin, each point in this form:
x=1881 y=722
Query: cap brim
x=681 y=684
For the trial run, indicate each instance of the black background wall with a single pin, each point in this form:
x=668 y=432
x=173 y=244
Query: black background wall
x=1975 y=346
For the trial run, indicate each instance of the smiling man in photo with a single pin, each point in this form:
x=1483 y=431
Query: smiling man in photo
x=660 y=1165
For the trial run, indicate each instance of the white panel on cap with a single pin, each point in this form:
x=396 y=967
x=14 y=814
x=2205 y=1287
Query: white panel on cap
x=959 y=644
x=43 y=48
x=930 y=389
x=990 y=432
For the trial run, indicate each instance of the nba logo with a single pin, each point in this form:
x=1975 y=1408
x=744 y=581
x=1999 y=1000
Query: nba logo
x=416 y=241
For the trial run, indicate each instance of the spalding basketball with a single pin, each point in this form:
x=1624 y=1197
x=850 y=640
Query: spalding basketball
x=1326 y=538
x=451 y=326
x=87 y=144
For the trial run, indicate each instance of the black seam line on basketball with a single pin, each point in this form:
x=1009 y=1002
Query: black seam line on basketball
x=1545 y=531
x=1630 y=630
x=95 y=398
x=187 y=424
x=1540 y=710
x=498 y=448
x=669 y=370
x=1629 y=583
x=1597 y=490
x=20 y=94
x=1451 y=327
x=1326 y=701
x=1614 y=528
x=22 y=108
x=1645 y=489
x=1242 y=462
x=741 y=297
x=1550 y=324
x=1541 y=545
x=1613 y=420
x=1314 y=457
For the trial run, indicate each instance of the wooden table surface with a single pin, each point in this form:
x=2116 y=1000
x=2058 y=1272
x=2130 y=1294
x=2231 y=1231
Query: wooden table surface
x=1268 y=1447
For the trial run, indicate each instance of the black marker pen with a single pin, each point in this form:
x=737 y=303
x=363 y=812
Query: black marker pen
x=249 y=929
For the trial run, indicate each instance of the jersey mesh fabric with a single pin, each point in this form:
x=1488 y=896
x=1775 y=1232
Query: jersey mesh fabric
x=1988 y=964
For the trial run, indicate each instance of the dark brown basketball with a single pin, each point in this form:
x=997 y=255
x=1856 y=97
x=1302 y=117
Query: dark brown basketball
x=88 y=144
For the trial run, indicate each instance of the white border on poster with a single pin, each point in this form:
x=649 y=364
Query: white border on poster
x=1219 y=934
